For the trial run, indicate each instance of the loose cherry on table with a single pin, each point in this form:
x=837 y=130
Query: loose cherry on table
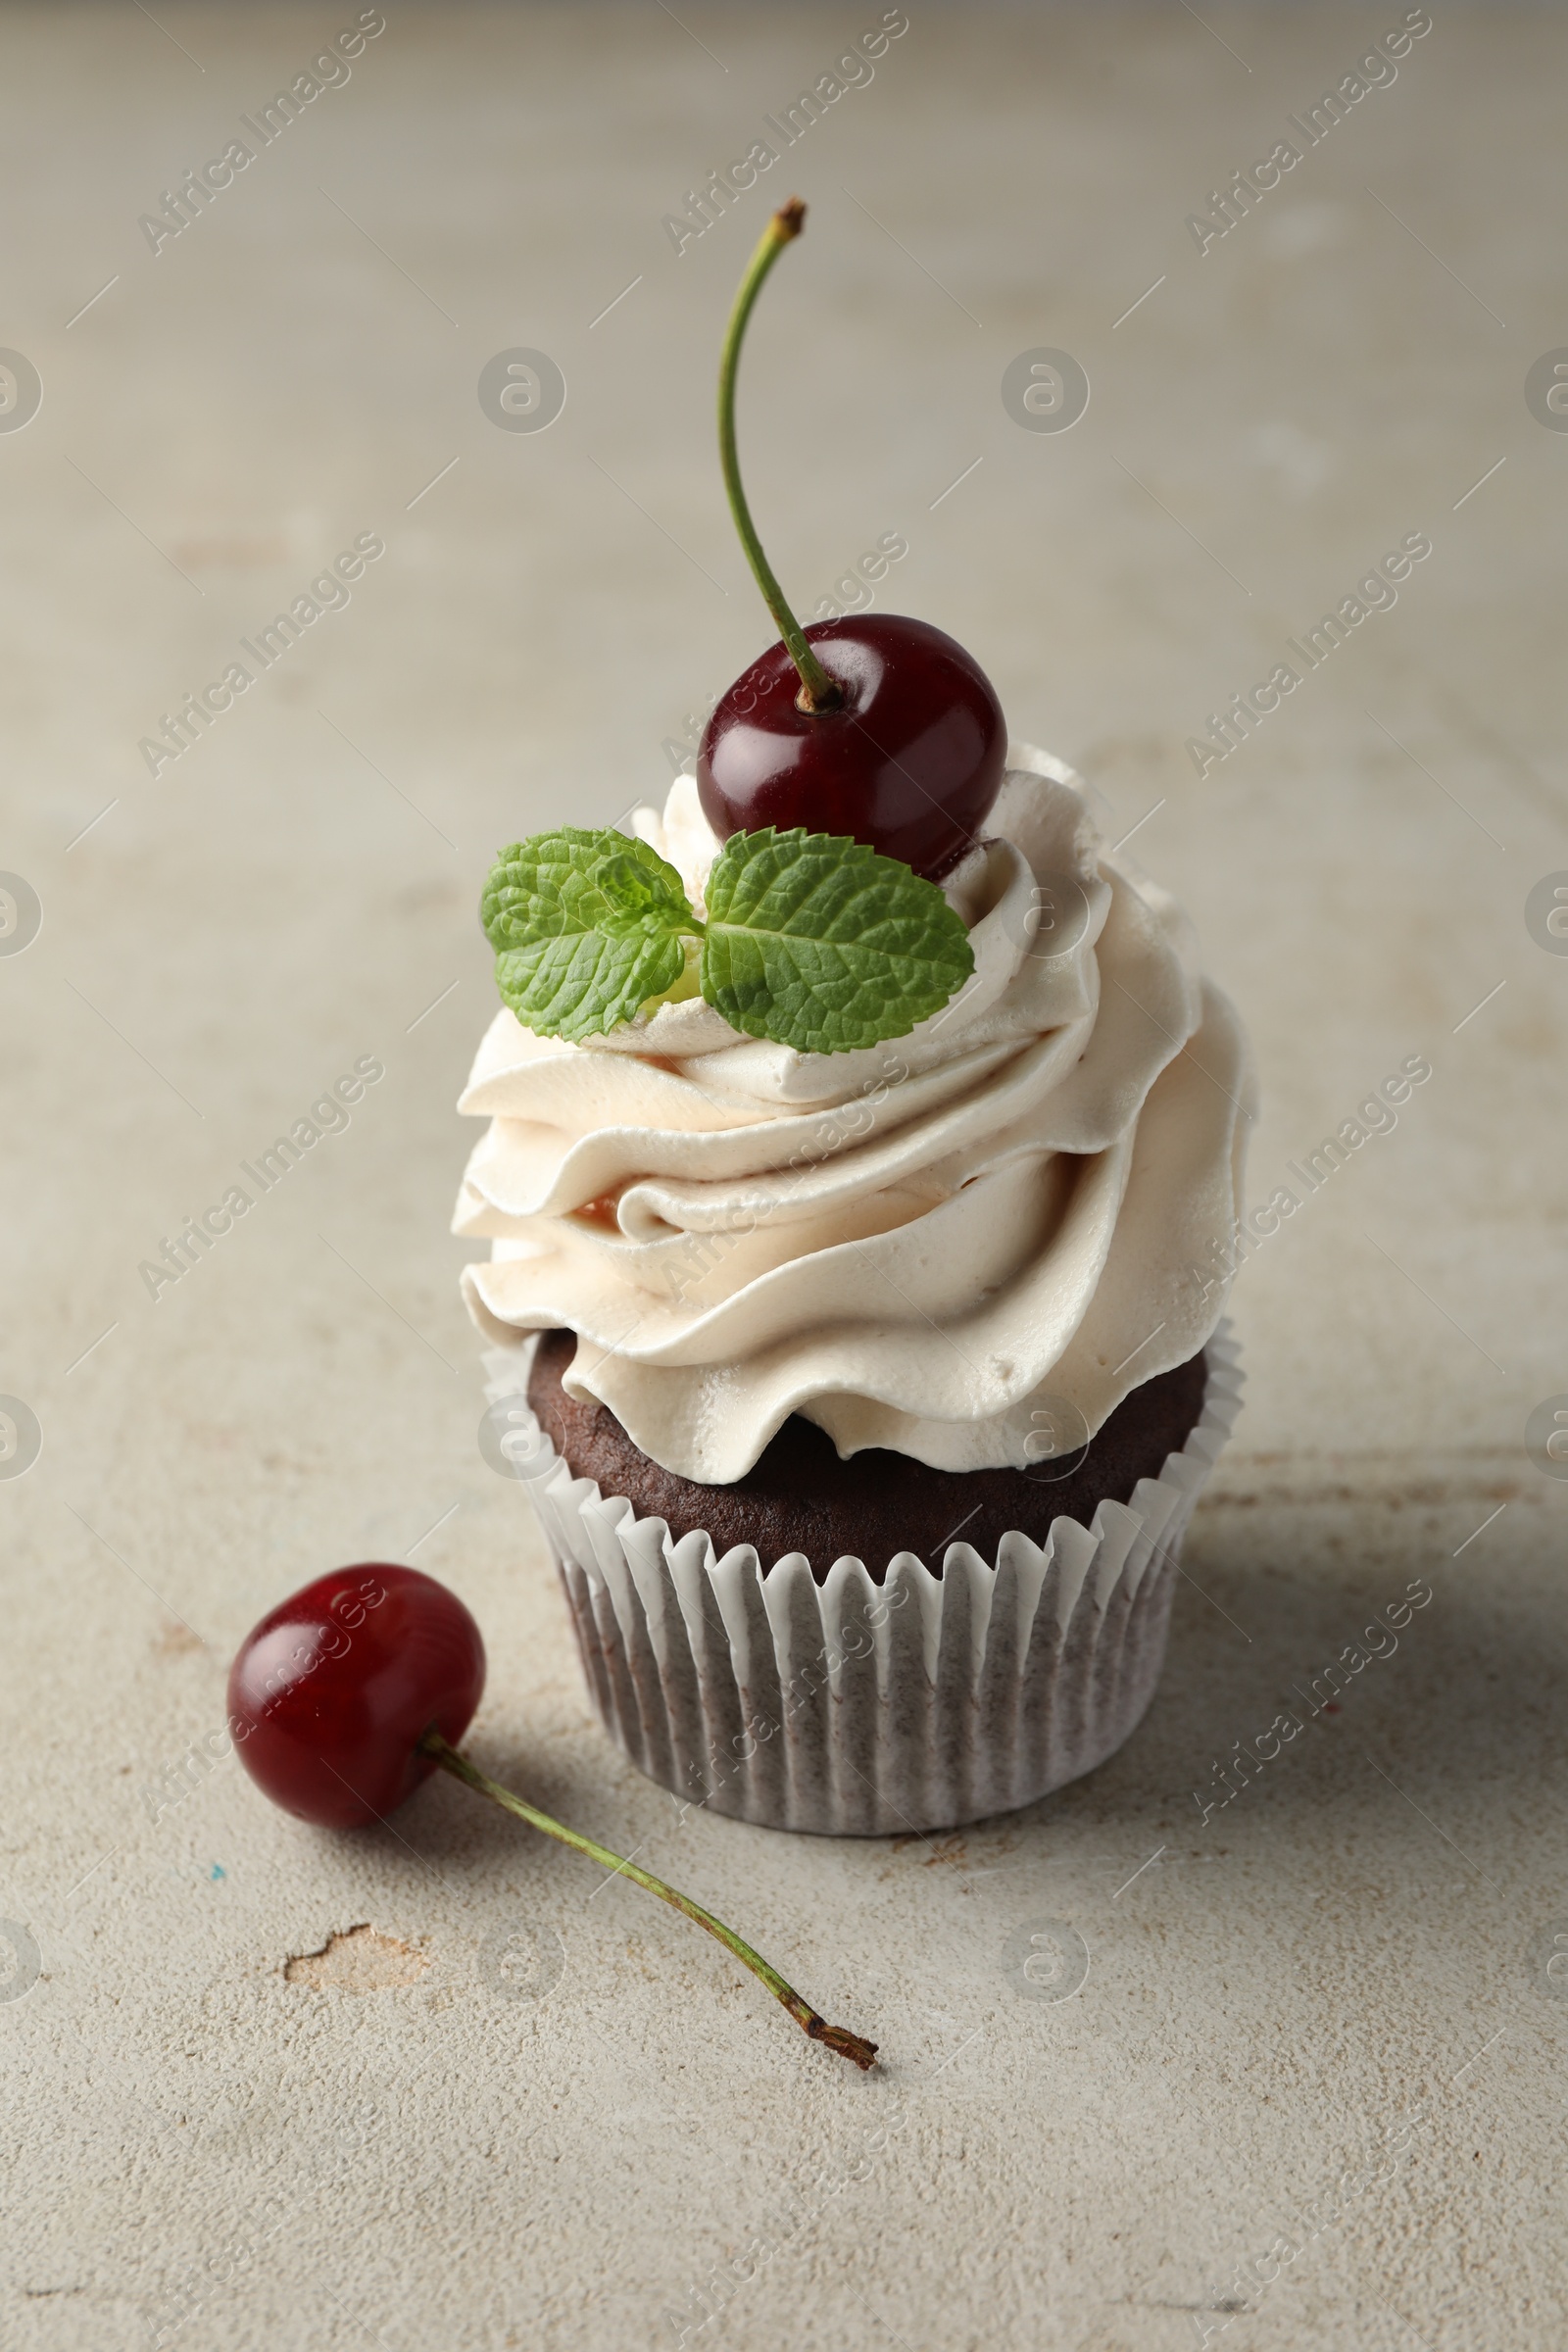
x=880 y=727
x=352 y=1692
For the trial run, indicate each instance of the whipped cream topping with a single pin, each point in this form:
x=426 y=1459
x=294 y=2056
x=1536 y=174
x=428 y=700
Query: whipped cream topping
x=935 y=1244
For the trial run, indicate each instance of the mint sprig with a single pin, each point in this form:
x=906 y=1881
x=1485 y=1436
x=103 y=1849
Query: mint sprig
x=825 y=944
x=810 y=939
x=586 y=927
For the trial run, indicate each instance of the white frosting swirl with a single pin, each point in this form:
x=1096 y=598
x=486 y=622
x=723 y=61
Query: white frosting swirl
x=914 y=1245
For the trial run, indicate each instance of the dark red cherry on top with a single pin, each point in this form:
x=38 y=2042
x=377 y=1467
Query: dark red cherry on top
x=331 y=1695
x=910 y=760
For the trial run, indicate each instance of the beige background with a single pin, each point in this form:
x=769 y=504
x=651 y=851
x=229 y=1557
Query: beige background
x=1341 y=1976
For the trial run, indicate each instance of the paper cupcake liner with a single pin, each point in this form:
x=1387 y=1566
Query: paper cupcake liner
x=851 y=1708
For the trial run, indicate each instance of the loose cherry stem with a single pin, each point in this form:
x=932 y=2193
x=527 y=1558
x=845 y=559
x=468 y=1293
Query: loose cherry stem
x=817 y=690
x=837 y=2038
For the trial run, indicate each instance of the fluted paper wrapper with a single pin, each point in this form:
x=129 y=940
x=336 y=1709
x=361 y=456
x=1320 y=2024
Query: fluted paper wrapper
x=852 y=1708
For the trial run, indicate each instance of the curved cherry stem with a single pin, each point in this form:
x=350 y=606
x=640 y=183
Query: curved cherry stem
x=837 y=2038
x=817 y=690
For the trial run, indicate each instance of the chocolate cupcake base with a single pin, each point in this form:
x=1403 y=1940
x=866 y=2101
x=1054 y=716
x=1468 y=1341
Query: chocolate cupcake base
x=827 y=1692
x=799 y=1496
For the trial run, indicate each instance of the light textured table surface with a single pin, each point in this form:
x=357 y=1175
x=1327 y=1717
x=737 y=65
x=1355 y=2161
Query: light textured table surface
x=1311 y=2090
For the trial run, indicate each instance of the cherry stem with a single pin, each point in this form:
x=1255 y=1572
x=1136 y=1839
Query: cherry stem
x=817 y=690
x=837 y=2038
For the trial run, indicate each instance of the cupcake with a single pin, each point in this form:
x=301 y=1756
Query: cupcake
x=861 y=1134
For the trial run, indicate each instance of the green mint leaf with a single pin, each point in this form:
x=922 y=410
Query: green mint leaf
x=818 y=943
x=641 y=892
x=586 y=927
